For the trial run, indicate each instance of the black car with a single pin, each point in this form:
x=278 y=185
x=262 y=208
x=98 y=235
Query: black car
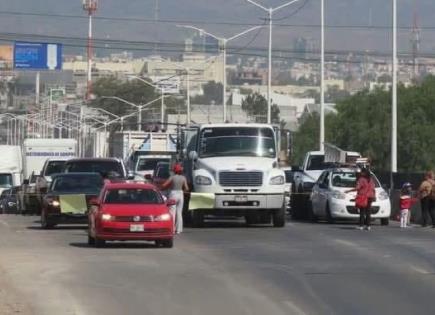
x=9 y=200
x=68 y=197
x=110 y=168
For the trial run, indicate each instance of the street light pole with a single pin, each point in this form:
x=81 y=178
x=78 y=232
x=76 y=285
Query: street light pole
x=223 y=41
x=394 y=96
x=270 y=12
x=322 y=77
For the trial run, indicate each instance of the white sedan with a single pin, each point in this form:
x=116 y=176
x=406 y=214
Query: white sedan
x=329 y=200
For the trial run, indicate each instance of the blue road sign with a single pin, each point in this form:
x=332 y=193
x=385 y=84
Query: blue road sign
x=37 y=56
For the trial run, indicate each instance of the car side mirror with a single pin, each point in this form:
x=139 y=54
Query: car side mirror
x=94 y=202
x=26 y=182
x=193 y=155
x=171 y=202
x=323 y=186
x=148 y=177
x=130 y=176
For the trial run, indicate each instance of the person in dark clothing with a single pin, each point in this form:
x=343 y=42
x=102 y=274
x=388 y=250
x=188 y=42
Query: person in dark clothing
x=427 y=204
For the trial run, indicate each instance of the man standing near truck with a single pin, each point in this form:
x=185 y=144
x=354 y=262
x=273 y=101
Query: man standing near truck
x=426 y=193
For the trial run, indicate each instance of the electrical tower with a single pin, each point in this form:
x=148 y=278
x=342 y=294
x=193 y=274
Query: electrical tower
x=415 y=44
x=90 y=6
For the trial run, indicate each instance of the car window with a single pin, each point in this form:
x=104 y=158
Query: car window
x=326 y=179
x=5 y=180
x=163 y=172
x=54 y=167
x=133 y=196
x=316 y=162
x=148 y=164
x=75 y=183
x=111 y=169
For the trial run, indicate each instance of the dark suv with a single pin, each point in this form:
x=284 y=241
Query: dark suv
x=110 y=168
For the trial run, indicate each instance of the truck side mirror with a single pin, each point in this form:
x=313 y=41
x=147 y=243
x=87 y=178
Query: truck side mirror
x=26 y=182
x=193 y=155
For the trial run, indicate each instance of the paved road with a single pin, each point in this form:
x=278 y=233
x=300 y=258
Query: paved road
x=224 y=269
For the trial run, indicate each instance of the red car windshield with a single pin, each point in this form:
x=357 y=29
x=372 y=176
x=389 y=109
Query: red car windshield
x=133 y=196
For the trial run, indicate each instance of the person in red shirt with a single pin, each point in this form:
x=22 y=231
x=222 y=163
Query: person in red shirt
x=365 y=188
x=406 y=203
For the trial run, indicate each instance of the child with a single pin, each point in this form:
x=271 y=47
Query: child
x=406 y=202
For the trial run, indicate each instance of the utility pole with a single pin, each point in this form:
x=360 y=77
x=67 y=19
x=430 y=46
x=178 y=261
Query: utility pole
x=394 y=98
x=90 y=6
x=322 y=77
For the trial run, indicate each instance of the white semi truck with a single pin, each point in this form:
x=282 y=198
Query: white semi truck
x=238 y=165
x=11 y=167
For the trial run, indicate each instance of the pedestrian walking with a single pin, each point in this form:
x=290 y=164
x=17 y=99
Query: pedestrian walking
x=406 y=203
x=365 y=196
x=177 y=184
x=427 y=198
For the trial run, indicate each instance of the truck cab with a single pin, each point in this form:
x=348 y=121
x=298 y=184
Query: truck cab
x=238 y=165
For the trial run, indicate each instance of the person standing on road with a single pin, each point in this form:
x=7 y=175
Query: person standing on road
x=406 y=203
x=365 y=195
x=177 y=184
x=426 y=193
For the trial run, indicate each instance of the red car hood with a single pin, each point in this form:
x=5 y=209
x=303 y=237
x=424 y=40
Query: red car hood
x=132 y=210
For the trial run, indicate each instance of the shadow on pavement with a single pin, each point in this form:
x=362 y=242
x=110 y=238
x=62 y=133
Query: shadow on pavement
x=125 y=245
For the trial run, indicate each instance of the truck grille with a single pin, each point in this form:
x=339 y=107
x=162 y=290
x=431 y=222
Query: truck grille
x=240 y=179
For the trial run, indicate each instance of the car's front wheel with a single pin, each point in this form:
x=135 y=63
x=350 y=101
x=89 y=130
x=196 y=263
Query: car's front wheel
x=99 y=243
x=278 y=217
x=169 y=243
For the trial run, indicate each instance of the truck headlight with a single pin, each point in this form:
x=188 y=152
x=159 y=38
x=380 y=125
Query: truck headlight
x=277 y=180
x=338 y=195
x=202 y=180
x=383 y=195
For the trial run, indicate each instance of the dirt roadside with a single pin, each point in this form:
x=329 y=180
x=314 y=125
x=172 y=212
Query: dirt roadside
x=10 y=301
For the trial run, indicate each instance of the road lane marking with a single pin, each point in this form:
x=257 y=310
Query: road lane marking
x=4 y=223
x=420 y=270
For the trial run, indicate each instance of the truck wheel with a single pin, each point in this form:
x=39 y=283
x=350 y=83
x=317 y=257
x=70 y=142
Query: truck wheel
x=385 y=221
x=278 y=217
x=197 y=219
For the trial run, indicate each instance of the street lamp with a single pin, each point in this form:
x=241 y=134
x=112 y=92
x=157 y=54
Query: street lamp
x=322 y=76
x=270 y=11
x=394 y=97
x=162 y=93
x=139 y=107
x=223 y=41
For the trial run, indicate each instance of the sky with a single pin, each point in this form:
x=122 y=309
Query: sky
x=132 y=20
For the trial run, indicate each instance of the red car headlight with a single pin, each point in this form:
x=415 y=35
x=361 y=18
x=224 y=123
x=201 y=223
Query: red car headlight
x=163 y=217
x=106 y=217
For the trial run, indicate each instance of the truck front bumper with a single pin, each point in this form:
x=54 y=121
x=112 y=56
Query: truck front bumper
x=248 y=201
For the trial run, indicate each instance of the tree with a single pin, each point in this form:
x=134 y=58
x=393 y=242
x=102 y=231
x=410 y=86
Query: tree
x=255 y=105
x=213 y=93
x=363 y=123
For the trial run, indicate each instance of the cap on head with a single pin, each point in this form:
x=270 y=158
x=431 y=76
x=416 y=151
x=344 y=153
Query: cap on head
x=406 y=185
x=178 y=169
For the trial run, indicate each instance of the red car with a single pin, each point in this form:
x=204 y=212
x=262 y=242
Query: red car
x=127 y=211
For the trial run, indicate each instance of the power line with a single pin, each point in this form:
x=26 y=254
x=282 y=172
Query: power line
x=208 y=22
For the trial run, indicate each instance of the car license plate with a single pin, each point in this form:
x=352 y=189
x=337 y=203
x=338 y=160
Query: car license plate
x=241 y=199
x=136 y=228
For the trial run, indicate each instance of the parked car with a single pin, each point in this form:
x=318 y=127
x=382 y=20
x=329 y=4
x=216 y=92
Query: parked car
x=51 y=166
x=67 y=198
x=289 y=182
x=111 y=168
x=9 y=200
x=127 y=211
x=330 y=201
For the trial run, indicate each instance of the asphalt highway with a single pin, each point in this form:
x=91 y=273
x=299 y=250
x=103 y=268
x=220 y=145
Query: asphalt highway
x=224 y=268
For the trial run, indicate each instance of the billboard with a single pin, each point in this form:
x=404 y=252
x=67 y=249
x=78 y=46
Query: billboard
x=37 y=56
x=6 y=56
x=170 y=85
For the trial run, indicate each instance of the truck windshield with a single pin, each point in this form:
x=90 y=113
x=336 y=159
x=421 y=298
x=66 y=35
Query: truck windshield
x=237 y=141
x=148 y=164
x=317 y=163
x=6 y=180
